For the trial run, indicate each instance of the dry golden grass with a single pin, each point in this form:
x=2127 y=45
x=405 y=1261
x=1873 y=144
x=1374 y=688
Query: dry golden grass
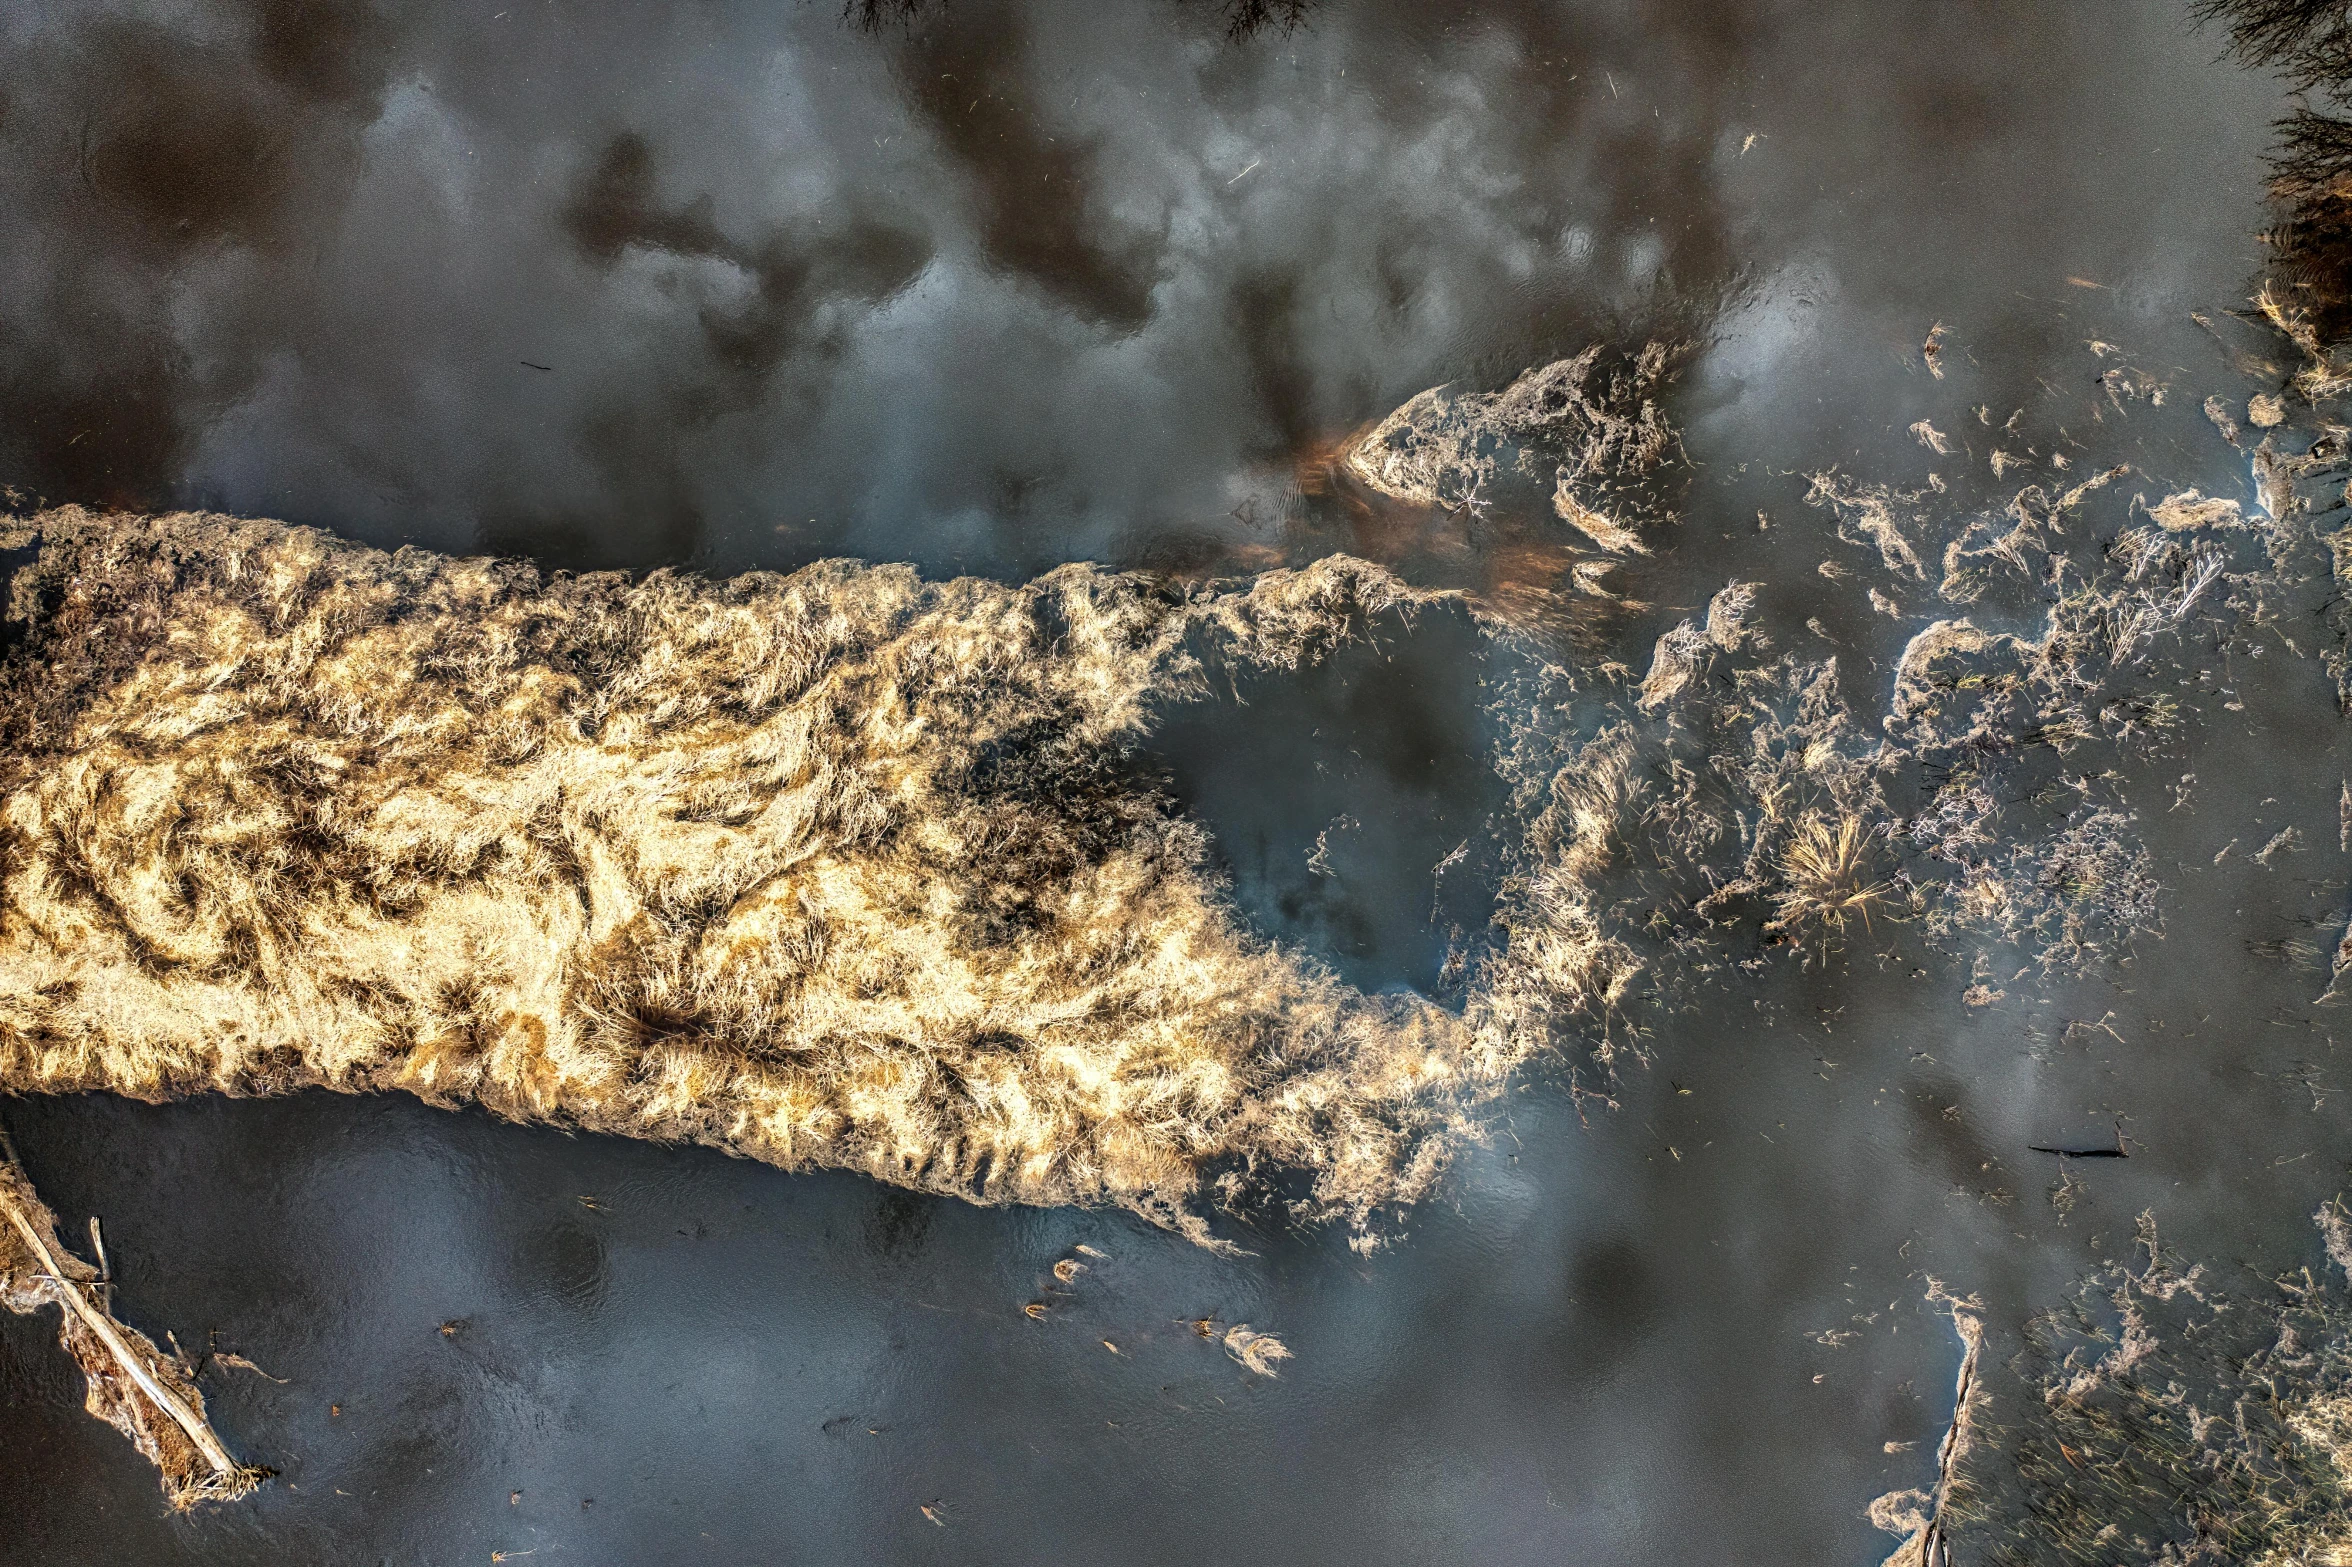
x=1825 y=876
x=1259 y=1352
x=836 y=868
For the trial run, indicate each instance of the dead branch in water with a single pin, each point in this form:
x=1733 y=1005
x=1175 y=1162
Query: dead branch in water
x=1922 y=1514
x=134 y=1387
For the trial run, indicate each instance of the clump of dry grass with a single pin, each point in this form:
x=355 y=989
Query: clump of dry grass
x=1684 y=652
x=837 y=868
x=1594 y=418
x=1825 y=876
x=1258 y=1352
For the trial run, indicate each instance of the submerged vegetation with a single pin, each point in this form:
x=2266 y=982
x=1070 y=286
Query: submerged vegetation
x=2157 y=1417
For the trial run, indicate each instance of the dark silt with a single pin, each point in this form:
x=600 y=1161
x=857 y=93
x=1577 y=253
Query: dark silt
x=726 y=286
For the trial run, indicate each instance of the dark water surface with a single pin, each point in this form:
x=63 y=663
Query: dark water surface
x=732 y=285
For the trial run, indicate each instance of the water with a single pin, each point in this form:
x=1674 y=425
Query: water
x=1113 y=296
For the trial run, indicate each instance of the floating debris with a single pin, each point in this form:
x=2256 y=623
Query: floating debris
x=2190 y=510
x=2099 y=1151
x=1594 y=419
x=1682 y=652
x=1868 y=509
x=2218 y=412
x=145 y=1394
x=1258 y=1352
x=1932 y=438
x=1595 y=525
x=240 y=1363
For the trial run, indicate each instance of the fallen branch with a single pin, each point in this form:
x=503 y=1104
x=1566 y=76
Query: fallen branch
x=2116 y=1152
x=133 y=1386
x=1921 y=1514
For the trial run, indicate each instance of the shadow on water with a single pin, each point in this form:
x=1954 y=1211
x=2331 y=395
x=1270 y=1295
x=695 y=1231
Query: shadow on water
x=1337 y=798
